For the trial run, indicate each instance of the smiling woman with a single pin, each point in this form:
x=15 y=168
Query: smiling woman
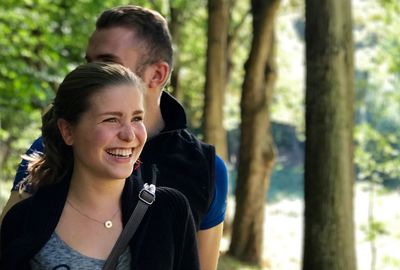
x=88 y=100
x=93 y=136
x=109 y=135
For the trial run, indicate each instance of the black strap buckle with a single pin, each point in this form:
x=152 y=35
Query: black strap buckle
x=148 y=194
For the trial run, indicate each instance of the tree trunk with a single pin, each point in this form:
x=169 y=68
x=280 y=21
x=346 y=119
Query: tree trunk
x=216 y=71
x=175 y=28
x=329 y=175
x=257 y=151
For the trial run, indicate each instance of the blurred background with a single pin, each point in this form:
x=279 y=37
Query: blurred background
x=41 y=40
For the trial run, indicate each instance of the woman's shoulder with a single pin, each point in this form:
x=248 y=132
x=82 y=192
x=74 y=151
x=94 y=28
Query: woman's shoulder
x=35 y=204
x=14 y=219
x=18 y=210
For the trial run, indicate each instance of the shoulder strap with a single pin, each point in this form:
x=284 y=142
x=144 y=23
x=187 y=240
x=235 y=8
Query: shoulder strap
x=142 y=172
x=146 y=198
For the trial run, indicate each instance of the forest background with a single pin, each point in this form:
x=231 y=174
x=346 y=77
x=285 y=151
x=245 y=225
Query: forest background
x=41 y=40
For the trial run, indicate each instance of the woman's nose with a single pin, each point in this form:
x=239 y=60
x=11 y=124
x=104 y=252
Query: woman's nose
x=127 y=133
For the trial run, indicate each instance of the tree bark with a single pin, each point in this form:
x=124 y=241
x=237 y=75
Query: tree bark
x=329 y=175
x=216 y=72
x=175 y=28
x=257 y=150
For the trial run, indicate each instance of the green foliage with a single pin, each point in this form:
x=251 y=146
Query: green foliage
x=390 y=40
x=40 y=41
x=391 y=261
x=377 y=97
x=374 y=230
x=288 y=98
x=192 y=57
x=376 y=154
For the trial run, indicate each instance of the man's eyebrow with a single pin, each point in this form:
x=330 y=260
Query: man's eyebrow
x=104 y=56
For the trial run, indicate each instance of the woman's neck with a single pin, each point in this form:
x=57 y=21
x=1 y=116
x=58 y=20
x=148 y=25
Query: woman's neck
x=95 y=193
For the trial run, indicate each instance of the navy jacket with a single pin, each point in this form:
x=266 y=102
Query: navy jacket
x=165 y=239
x=184 y=162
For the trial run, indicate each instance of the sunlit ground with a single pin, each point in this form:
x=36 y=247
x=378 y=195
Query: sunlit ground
x=284 y=232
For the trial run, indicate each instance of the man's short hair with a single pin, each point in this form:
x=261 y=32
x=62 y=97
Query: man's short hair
x=148 y=25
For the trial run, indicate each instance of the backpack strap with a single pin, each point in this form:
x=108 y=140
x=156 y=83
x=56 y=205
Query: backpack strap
x=146 y=198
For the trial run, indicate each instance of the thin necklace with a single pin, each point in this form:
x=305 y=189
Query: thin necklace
x=108 y=223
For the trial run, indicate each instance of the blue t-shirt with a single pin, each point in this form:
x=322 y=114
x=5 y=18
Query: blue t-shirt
x=215 y=214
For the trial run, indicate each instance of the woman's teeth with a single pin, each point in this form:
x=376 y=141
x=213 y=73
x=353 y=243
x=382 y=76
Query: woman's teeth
x=120 y=152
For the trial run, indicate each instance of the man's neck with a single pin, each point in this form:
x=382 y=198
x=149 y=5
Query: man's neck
x=153 y=120
x=154 y=125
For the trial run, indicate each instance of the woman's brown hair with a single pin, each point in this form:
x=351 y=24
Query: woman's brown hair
x=71 y=101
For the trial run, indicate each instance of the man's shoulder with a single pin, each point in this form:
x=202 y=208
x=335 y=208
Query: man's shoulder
x=188 y=136
x=170 y=198
x=176 y=128
x=182 y=141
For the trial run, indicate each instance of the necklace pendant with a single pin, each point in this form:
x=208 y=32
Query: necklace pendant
x=108 y=224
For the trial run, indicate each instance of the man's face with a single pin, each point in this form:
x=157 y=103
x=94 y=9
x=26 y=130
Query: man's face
x=118 y=45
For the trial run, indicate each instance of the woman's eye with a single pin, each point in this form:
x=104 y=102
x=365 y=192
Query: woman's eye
x=110 y=120
x=137 y=119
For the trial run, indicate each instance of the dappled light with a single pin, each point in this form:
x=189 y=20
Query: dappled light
x=305 y=114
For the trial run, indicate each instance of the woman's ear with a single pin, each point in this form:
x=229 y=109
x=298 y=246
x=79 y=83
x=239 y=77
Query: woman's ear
x=65 y=129
x=157 y=75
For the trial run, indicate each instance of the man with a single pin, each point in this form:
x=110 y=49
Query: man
x=139 y=39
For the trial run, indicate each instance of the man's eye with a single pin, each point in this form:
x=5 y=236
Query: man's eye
x=108 y=60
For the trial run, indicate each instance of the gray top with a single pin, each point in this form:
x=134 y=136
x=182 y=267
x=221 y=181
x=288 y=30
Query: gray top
x=57 y=255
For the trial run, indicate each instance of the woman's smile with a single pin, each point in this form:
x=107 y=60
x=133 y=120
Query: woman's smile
x=120 y=152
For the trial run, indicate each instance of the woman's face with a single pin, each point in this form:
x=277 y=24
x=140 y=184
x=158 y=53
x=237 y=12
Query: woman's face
x=110 y=135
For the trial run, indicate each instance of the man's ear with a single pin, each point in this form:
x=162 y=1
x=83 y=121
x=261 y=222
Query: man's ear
x=65 y=129
x=157 y=74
